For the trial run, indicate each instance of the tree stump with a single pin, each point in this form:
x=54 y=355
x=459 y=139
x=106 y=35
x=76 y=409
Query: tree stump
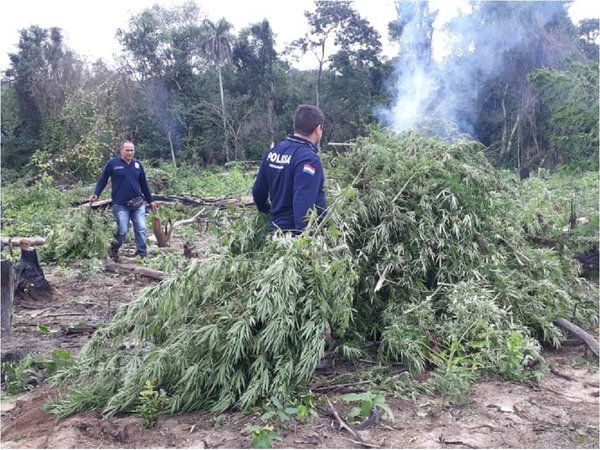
x=8 y=291
x=29 y=276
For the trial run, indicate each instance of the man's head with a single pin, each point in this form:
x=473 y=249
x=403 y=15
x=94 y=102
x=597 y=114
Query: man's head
x=126 y=151
x=308 y=122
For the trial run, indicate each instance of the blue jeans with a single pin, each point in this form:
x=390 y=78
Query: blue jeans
x=138 y=218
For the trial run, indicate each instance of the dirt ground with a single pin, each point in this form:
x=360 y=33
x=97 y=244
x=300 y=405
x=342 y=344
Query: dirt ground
x=561 y=412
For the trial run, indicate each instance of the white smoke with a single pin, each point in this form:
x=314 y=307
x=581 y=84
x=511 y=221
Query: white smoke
x=469 y=49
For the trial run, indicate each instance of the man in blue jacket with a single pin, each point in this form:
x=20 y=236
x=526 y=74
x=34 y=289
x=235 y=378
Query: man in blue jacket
x=290 y=179
x=128 y=191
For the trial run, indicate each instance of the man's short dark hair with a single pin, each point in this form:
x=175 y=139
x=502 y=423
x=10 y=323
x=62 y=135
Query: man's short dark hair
x=123 y=142
x=307 y=118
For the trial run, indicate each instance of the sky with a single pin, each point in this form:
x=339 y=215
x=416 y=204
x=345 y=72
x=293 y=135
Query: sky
x=89 y=27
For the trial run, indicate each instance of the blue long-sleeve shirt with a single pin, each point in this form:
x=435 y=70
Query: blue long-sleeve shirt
x=128 y=181
x=289 y=182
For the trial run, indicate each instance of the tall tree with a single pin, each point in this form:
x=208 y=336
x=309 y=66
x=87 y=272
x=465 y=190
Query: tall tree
x=42 y=72
x=217 y=45
x=164 y=53
x=332 y=25
x=589 y=32
x=255 y=56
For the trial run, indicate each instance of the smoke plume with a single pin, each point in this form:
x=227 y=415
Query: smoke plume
x=478 y=44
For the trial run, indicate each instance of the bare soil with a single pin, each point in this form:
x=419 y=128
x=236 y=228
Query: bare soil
x=560 y=412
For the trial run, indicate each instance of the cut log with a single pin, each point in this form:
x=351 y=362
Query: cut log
x=216 y=202
x=8 y=292
x=29 y=277
x=163 y=237
x=134 y=268
x=22 y=241
x=587 y=338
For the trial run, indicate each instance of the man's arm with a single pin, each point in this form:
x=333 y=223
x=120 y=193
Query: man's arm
x=307 y=180
x=101 y=183
x=144 y=185
x=260 y=190
x=146 y=189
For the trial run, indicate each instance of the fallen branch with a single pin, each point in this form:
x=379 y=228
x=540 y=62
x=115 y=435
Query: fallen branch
x=587 y=338
x=145 y=271
x=333 y=387
x=561 y=375
x=343 y=423
x=364 y=444
x=216 y=202
x=22 y=241
x=443 y=441
x=196 y=218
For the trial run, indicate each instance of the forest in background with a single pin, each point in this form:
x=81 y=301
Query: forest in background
x=189 y=90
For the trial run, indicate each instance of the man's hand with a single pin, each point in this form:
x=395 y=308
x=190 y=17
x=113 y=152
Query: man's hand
x=153 y=206
x=93 y=198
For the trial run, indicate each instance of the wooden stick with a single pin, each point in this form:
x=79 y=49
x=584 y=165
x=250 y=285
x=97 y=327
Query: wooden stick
x=194 y=219
x=561 y=375
x=365 y=444
x=587 y=338
x=333 y=387
x=19 y=241
x=145 y=271
x=342 y=423
x=7 y=294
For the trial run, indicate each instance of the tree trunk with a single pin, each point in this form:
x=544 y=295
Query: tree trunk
x=163 y=237
x=225 y=146
x=270 y=109
x=172 y=149
x=29 y=277
x=587 y=338
x=8 y=292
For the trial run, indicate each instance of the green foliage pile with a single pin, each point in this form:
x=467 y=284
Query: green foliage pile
x=444 y=258
x=230 y=330
x=419 y=252
x=82 y=234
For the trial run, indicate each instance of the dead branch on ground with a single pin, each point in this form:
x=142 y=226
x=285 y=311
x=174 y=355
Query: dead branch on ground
x=134 y=268
x=587 y=338
x=343 y=424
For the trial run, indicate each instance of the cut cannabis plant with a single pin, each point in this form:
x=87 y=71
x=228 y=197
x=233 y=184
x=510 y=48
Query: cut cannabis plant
x=419 y=252
x=83 y=233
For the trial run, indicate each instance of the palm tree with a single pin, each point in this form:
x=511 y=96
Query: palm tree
x=218 y=48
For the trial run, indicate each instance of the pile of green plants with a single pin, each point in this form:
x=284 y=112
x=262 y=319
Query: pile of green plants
x=421 y=253
x=31 y=210
x=82 y=234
